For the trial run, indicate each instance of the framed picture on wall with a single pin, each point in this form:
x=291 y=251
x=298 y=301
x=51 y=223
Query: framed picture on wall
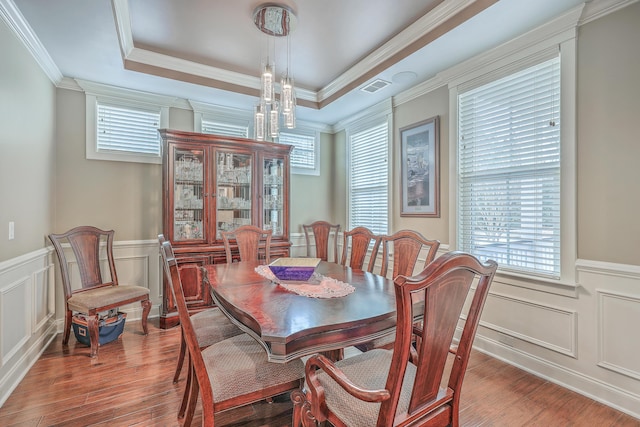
x=420 y=168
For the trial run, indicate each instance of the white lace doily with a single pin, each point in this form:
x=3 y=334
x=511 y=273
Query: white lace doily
x=318 y=286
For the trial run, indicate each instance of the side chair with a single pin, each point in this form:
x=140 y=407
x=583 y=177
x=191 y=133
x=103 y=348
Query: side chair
x=324 y=235
x=407 y=385
x=406 y=246
x=96 y=293
x=250 y=240
x=228 y=374
x=210 y=325
x=355 y=246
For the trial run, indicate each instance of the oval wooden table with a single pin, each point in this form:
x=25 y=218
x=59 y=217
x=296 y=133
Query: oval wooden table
x=289 y=325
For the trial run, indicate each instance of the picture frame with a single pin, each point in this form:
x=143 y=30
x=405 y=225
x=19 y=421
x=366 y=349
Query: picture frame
x=420 y=168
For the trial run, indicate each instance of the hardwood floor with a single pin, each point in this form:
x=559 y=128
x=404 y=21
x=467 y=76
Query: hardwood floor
x=130 y=384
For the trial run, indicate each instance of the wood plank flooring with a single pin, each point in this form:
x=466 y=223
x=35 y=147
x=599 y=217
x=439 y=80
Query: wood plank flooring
x=130 y=384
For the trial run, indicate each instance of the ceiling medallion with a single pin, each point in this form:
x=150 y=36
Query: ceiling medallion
x=274 y=19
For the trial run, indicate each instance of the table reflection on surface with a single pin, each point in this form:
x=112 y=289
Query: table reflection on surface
x=289 y=325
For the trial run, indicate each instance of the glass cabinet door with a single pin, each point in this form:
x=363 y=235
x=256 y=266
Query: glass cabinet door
x=188 y=190
x=273 y=193
x=233 y=190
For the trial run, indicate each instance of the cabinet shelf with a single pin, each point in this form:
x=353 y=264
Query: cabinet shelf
x=234 y=184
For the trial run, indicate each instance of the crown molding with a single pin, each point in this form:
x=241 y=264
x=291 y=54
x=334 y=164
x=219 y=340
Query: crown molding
x=372 y=113
x=399 y=44
x=547 y=35
x=418 y=90
x=102 y=90
x=440 y=15
x=16 y=22
x=552 y=32
x=69 y=84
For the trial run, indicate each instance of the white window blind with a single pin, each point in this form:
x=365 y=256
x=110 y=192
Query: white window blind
x=224 y=129
x=303 y=155
x=509 y=170
x=368 y=179
x=127 y=129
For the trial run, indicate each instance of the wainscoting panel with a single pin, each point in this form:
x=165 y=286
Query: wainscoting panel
x=16 y=325
x=617 y=351
x=554 y=328
x=43 y=297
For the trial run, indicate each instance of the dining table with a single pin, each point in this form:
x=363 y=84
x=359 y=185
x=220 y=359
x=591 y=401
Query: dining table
x=289 y=324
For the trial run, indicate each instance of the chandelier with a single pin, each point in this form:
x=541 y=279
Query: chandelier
x=275 y=21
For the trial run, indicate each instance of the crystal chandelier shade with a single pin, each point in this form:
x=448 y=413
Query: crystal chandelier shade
x=274 y=21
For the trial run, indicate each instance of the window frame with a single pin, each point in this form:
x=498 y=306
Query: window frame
x=95 y=94
x=513 y=58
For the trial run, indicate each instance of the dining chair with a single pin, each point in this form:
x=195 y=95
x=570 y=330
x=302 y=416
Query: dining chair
x=250 y=240
x=407 y=385
x=96 y=292
x=356 y=244
x=210 y=325
x=320 y=236
x=228 y=374
x=406 y=247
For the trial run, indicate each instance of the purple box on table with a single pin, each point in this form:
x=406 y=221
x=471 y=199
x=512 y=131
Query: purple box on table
x=294 y=269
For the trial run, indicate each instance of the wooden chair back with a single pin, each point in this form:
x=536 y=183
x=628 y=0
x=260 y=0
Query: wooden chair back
x=429 y=373
x=250 y=240
x=320 y=236
x=199 y=382
x=87 y=243
x=446 y=284
x=356 y=244
x=406 y=246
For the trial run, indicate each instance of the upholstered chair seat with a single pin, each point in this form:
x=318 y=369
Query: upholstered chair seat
x=89 y=300
x=369 y=370
x=212 y=326
x=238 y=366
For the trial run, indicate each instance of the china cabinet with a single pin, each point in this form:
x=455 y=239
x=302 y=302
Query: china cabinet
x=216 y=183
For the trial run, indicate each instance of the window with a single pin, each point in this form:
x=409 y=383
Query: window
x=224 y=129
x=128 y=130
x=509 y=170
x=218 y=120
x=122 y=125
x=368 y=177
x=305 y=156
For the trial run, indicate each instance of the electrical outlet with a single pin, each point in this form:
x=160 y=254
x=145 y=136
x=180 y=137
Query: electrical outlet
x=11 y=230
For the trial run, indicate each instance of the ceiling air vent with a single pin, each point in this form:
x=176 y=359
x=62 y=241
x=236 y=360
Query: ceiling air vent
x=375 y=86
